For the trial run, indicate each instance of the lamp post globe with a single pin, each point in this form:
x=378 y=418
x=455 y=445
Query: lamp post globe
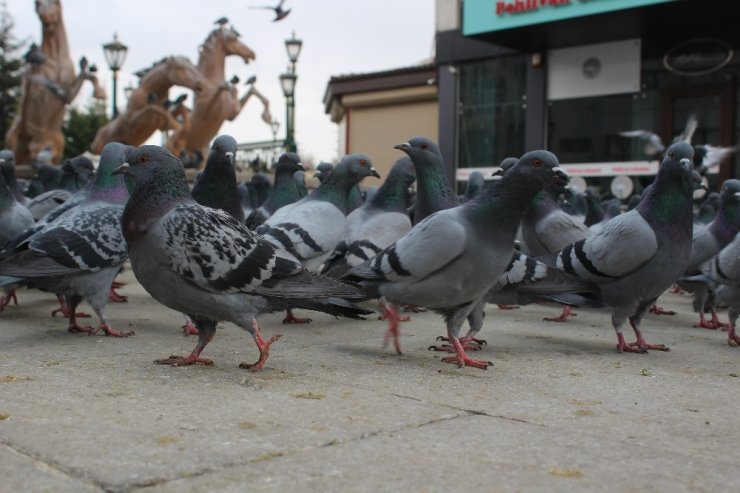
x=115 y=54
x=287 y=83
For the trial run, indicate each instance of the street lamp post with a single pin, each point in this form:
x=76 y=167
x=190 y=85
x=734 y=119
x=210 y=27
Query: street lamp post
x=115 y=54
x=287 y=83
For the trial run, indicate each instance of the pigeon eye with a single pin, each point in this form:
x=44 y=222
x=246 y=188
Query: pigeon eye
x=143 y=158
x=363 y=162
x=536 y=163
x=670 y=155
x=424 y=147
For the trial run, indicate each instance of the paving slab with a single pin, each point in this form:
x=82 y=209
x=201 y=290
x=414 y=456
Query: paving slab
x=333 y=410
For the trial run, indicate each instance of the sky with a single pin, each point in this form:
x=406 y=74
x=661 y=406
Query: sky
x=340 y=37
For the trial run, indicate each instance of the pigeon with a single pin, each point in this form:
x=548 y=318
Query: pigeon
x=44 y=203
x=14 y=216
x=299 y=178
x=653 y=146
x=708 y=240
x=707 y=156
x=203 y=262
x=323 y=170
x=595 y=207
x=78 y=255
x=221 y=21
x=475 y=184
x=283 y=192
x=280 y=12
x=34 y=55
x=433 y=192
x=639 y=254
x=377 y=224
x=259 y=186
x=546 y=229
x=312 y=227
x=722 y=274
x=217 y=187
x=449 y=261
x=7 y=169
x=708 y=208
x=76 y=173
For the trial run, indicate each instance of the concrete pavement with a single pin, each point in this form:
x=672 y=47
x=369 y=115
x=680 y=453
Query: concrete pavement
x=560 y=410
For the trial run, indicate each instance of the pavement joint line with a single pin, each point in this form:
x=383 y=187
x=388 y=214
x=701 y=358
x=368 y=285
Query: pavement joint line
x=53 y=465
x=277 y=455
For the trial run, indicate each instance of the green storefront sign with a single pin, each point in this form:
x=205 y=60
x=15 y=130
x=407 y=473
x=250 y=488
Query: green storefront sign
x=484 y=16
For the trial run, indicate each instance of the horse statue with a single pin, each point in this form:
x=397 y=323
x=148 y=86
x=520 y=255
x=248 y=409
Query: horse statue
x=49 y=84
x=146 y=109
x=218 y=101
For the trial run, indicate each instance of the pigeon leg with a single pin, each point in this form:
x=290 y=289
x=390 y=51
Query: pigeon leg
x=207 y=329
x=623 y=347
x=655 y=309
x=115 y=297
x=6 y=298
x=64 y=309
x=105 y=326
x=262 y=345
x=71 y=306
x=469 y=343
x=640 y=342
x=390 y=312
x=292 y=319
x=401 y=318
x=712 y=324
x=117 y=284
x=732 y=337
x=563 y=317
x=189 y=328
x=462 y=359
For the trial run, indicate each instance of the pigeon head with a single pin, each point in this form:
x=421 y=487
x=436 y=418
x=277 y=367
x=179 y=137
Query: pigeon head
x=7 y=164
x=150 y=162
x=289 y=163
x=323 y=170
x=678 y=162
x=730 y=193
x=7 y=156
x=542 y=166
x=353 y=168
x=421 y=150
x=223 y=150
x=506 y=164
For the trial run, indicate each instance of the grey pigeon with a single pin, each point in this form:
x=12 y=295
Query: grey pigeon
x=708 y=208
x=283 y=192
x=708 y=156
x=433 y=192
x=280 y=12
x=78 y=255
x=546 y=229
x=613 y=209
x=354 y=200
x=45 y=202
x=258 y=189
x=7 y=169
x=76 y=173
x=204 y=263
x=299 y=178
x=639 y=254
x=323 y=170
x=595 y=208
x=452 y=259
x=475 y=184
x=722 y=273
x=14 y=219
x=653 y=146
x=377 y=224
x=312 y=227
x=217 y=187
x=708 y=240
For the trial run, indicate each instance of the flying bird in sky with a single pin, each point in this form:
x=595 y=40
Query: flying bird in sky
x=280 y=13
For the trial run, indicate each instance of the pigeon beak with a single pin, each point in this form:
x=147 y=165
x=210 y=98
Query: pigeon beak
x=2 y=160
x=230 y=155
x=374 y=172
x=686 y=163
x=121 y=170
x=499 y=172
x=561 y=175
x=736 y=195
x=403 y=147
x=303 y=168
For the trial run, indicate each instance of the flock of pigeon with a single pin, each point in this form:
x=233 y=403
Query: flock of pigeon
x=224 y=251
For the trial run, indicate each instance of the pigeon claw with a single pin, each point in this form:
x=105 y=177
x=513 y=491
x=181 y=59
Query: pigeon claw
x=264 y=347
x=660 y=311
x=6 y=299
x=292 y=319
x=732 y=338
x=76 y=329
x=468 y=344
x=463 y=360
x=110 y=331
x=563 y=317
x=183 y=360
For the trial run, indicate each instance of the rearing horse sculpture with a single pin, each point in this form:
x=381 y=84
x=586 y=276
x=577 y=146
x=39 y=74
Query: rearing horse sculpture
x=48 y=87
x=218 y=101
x=145 y=111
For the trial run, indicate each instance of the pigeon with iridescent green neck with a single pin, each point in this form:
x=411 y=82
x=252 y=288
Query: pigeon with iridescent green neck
x=78 y=255
x=284 y=190
x=217 y=188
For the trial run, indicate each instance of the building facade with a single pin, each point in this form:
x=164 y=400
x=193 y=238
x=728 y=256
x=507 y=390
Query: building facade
x=570 y=75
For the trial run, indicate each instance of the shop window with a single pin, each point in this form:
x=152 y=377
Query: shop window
x=492 y=111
